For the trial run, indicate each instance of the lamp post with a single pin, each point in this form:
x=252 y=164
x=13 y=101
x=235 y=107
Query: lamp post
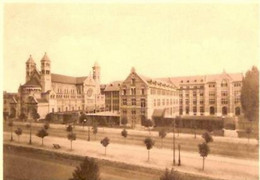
x=179 y=161
x=29 y=117
x=173 y=141
x=88 y=131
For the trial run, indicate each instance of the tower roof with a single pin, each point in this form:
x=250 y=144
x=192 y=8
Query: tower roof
x=30 y=60
x=96 y=64
x=45 y=57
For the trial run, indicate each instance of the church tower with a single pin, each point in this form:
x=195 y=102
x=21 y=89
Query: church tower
x=30 y=68
x=45 y=73
x=96 y=72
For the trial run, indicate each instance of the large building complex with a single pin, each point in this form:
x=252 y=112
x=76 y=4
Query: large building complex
x=46 y=92
x=137 y=98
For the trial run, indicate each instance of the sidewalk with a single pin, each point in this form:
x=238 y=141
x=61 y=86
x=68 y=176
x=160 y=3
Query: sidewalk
x=215 y=166
x=153 y=133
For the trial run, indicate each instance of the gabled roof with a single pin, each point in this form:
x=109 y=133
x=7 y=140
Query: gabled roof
x=67 y=79
x=114 y=86
x=32 y=82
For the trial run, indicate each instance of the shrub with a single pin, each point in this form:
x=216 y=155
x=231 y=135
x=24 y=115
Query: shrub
x=87 y=170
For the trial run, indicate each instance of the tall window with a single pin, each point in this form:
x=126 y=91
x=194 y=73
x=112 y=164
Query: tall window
x=133 y=102
x=133 y=91
x=142 y=91
x=124 y=101
x=143 y=103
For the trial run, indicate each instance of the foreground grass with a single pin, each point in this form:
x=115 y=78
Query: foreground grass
x=43 y=164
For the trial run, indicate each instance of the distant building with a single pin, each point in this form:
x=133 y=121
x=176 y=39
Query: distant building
x=215 y=95
x=46 y=92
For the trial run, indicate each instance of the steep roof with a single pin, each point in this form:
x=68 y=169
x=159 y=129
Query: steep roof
x=30 y=60
x=33 y=82
x=67 y=79
x=45 y=57
x=202 y=78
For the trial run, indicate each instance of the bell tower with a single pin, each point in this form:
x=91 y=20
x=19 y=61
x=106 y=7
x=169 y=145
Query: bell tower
x=30 y=67
x=96 y=72
x=45 y=73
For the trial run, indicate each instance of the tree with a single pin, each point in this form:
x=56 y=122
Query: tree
x=95 y=129
x=170 y=175
x=35 y=115
x=162 y=134
x=105 y=143
x=48 y=117
x=124 y=133
x=42 y=133
x=124 y=121
x=250 y=94
x=204 y=151
x=18 y=132
x=148 y=123
x=248 y=132
x=71 y=137
x=46 y=126
x=11 y=124
x=69 y=128
x=87 y=170
x=23 y=116
x=207 y=137
x=149 y=142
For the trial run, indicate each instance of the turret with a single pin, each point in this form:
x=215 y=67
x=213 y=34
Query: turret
x=45 y=73
x=30 y=67
x=96 y=72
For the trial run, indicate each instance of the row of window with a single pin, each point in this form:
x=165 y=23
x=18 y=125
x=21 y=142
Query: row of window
x=164 y=102
x=163 y=92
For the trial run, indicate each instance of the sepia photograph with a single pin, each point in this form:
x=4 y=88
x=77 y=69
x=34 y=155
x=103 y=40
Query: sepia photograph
x=130 y=90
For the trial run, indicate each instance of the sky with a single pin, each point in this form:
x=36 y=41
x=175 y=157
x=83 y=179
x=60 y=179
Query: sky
x=159 y=40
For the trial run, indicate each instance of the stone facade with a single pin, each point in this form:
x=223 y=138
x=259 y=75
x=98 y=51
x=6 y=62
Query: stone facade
x=215 y=95
x=141 y=97
x=46 y=92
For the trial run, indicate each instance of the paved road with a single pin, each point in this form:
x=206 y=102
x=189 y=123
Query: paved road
x=215 y=166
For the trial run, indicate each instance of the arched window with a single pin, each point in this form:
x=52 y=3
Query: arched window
x=212 y=110
x=237 y=111
x=224 y=110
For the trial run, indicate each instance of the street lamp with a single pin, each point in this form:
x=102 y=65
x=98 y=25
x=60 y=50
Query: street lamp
x=179 y=147
x=173 y=141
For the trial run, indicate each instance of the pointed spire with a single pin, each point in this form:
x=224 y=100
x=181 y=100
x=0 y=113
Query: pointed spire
x=96 y=64
x=30 y=60
x=45 y=57
x=133 y=70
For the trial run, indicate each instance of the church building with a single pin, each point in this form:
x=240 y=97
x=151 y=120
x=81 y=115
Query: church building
x=45 y=92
